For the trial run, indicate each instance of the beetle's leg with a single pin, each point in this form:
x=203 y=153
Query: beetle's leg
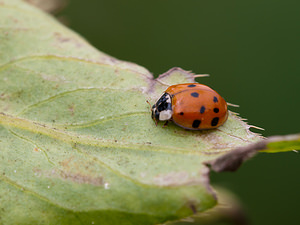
x=166 y=124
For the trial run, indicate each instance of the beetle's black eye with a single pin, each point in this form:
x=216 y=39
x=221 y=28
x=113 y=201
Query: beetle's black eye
x=156 y=115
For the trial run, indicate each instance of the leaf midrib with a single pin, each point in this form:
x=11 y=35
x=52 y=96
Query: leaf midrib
x=69 y=137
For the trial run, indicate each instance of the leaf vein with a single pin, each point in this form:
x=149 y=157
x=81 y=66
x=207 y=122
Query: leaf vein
x=32 y=142
x=31 y=192
x=108 y=61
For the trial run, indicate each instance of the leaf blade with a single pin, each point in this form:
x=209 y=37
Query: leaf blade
x=75 y=125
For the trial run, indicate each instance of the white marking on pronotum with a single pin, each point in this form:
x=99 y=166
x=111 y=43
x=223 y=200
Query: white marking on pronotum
x=165 y=115
x=168 y=99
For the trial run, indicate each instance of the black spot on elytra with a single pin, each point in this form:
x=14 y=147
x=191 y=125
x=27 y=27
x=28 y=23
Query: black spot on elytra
x=216 y=110
x=195 y=94
x=181 y=113
x=196 y=123
x=215 y=99
x=215 y=121
x=192 y=85
x=202 y=110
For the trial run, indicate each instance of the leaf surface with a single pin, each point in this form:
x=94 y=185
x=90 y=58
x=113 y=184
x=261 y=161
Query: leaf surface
x=77 y=141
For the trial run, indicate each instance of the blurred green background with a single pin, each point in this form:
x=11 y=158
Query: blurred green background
x=251 y=49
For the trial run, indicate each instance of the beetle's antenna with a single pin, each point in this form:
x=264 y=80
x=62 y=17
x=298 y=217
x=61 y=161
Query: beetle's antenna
x=149 y=105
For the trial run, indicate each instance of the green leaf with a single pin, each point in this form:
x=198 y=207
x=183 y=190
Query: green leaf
x=229 y=210
x=77 y=141
x=282 y=143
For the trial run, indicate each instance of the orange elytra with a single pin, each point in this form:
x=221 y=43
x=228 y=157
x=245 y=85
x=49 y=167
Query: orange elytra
x=192 y=106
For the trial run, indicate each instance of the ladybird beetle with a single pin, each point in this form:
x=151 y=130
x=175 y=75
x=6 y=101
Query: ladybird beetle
x=192 y=106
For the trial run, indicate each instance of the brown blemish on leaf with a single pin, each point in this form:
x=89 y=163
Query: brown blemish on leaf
x=61 y=38
x=73 y=170
x=81 y=178
x=77 y=177
x=72 y=109
x=173 y=178
x=4 y=96
x=37 y=171
x=66 y=162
